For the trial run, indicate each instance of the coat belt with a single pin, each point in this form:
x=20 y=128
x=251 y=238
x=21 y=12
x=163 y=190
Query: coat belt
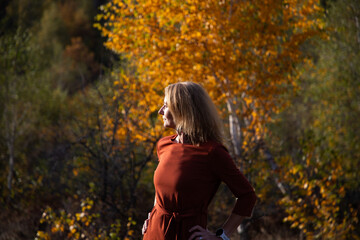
x=176 y=217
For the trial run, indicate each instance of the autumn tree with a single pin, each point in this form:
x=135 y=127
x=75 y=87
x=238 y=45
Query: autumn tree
x=243 y=52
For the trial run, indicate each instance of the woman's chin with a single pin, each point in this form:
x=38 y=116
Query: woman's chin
x=168 y=126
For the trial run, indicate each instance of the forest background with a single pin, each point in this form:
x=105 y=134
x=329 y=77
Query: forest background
x=81 y=82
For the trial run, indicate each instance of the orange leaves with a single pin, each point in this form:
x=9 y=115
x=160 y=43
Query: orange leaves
x=138 y=106
x=243 y=52
x=314 y=203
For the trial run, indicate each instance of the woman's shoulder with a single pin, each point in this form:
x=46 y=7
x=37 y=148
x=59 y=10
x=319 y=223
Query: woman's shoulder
x=216 y=146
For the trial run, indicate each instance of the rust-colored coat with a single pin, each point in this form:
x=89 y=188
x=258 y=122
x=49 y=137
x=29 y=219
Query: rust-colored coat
x=186 y=180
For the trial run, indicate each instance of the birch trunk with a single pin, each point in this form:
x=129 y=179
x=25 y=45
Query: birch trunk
x=235 y=128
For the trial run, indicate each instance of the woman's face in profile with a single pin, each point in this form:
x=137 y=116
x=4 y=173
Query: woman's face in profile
x=167 y=116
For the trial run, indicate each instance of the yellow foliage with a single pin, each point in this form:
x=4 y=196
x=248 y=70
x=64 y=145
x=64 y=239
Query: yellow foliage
x=40 y=235
x=243 y=53
x=313 y=206
x=81 y=225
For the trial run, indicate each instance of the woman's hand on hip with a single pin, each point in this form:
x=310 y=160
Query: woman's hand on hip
x=145 y=225
x=202 y=234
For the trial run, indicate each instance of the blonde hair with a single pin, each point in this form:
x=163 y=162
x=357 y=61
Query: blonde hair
x=194 y=112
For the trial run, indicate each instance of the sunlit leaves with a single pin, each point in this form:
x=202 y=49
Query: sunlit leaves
x=81 y=224
x=241 y=51
x=317 y=189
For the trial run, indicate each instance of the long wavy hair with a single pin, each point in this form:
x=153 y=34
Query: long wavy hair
x=194 y=112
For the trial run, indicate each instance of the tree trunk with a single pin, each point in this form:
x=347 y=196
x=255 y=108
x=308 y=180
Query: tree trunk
x=10 y=130
x=10 y=144
x=235 y=128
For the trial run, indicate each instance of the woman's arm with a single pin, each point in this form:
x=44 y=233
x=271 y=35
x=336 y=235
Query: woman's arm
x=224 y=168
x=232 y=223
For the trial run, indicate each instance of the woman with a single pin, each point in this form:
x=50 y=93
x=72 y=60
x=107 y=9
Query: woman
x=191 y=166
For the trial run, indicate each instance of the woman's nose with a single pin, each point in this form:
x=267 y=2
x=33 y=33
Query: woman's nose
x=161 y=111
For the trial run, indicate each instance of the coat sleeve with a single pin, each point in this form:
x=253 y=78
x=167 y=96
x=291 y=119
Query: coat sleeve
x=223 y=166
